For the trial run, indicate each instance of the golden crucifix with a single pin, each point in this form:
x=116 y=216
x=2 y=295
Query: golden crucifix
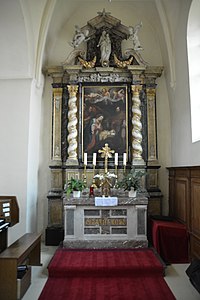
x=106 y=153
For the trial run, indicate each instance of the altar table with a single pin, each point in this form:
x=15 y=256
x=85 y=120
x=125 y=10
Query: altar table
x=113 y=226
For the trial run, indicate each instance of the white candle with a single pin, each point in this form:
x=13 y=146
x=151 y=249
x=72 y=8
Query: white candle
x=116 y=159
x=94 y=159
x=124 y=159
x=85 y=159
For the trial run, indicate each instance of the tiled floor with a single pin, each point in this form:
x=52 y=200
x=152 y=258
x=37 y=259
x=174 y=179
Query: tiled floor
x=179 y=283
x=175 y=277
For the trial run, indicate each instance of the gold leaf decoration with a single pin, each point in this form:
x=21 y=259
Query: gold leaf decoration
x=88 y=64
x=123 y=63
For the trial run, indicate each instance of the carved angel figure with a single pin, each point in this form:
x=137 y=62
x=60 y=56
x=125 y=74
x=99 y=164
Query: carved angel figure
x=79 y=37
x=133 y=36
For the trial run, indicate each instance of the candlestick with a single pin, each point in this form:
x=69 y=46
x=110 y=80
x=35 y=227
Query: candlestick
x=116 y=173
x=124 y=159
x=124 y=169
x=85 y=159
x=93 y=170
x=94 y=159
x=116 y=159
x=84 y=175
x=93 y=180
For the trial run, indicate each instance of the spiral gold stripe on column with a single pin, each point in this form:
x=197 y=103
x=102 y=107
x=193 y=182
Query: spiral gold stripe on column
x=72 y=126
x=136 y=125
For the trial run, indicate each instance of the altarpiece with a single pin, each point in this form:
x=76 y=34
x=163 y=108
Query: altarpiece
x=103 y=94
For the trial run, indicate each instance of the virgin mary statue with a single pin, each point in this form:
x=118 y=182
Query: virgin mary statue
x=105 y=47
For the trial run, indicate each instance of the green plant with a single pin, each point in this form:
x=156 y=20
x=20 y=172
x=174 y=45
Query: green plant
x=75 y=185
x=131 y=180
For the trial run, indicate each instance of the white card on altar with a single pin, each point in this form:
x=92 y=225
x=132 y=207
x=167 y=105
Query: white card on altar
x=106 y=201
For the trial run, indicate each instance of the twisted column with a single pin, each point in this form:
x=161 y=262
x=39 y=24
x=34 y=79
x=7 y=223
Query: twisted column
x=72 y=125
x=136 y=126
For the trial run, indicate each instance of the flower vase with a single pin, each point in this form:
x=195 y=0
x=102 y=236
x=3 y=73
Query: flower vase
x=76 y=194
x=132 y=193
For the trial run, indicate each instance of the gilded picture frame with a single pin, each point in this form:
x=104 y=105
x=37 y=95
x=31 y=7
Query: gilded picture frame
x=104 y=118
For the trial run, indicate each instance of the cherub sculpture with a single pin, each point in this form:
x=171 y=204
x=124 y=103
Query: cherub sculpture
x=79 y=37
x=133 y=36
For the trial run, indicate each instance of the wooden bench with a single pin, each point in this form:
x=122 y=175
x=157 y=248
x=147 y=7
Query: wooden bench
x=26 y=250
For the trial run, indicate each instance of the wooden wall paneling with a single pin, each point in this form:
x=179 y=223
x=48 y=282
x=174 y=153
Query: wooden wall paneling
x=194 y=246
x=171 y=192
x=181 y=196
x=184 y=202
x=195 y=217
x=195 y=204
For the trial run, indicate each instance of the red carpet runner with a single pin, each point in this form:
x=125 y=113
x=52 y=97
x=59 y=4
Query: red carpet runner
x=105 y=275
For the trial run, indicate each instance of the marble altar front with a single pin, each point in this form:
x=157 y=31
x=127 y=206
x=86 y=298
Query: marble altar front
x=88 y=225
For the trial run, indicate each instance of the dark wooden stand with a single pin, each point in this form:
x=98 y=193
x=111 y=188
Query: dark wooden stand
x=25 y=250
x=3 y=239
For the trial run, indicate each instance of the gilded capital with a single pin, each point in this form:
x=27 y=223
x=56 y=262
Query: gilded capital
x=57 y=92
x=151 y=92
x=136 y=88
x=72 y=90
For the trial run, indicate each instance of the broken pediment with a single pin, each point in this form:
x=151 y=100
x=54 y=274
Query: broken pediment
x=104 y=20
x=102 y=38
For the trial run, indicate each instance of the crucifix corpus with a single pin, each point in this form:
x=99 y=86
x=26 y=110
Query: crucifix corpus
x=106 y=153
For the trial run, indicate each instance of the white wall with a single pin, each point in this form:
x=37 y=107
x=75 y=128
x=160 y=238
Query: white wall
x=44 y=184
x=33 y=157
x=14 y=136
x=20 y=106
x=184 y=153
x=14 y=51
x=193 y=46
x=25 y=109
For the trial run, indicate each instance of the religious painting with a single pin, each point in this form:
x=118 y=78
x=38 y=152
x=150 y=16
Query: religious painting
x=104 y=117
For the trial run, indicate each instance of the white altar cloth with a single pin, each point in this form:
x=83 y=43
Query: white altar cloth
x=106 y=201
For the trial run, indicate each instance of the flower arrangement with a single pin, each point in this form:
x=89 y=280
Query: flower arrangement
x=132 y=180
x=100 y=178
x=75 y=185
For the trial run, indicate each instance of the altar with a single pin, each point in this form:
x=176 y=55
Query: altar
x=87 y=225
